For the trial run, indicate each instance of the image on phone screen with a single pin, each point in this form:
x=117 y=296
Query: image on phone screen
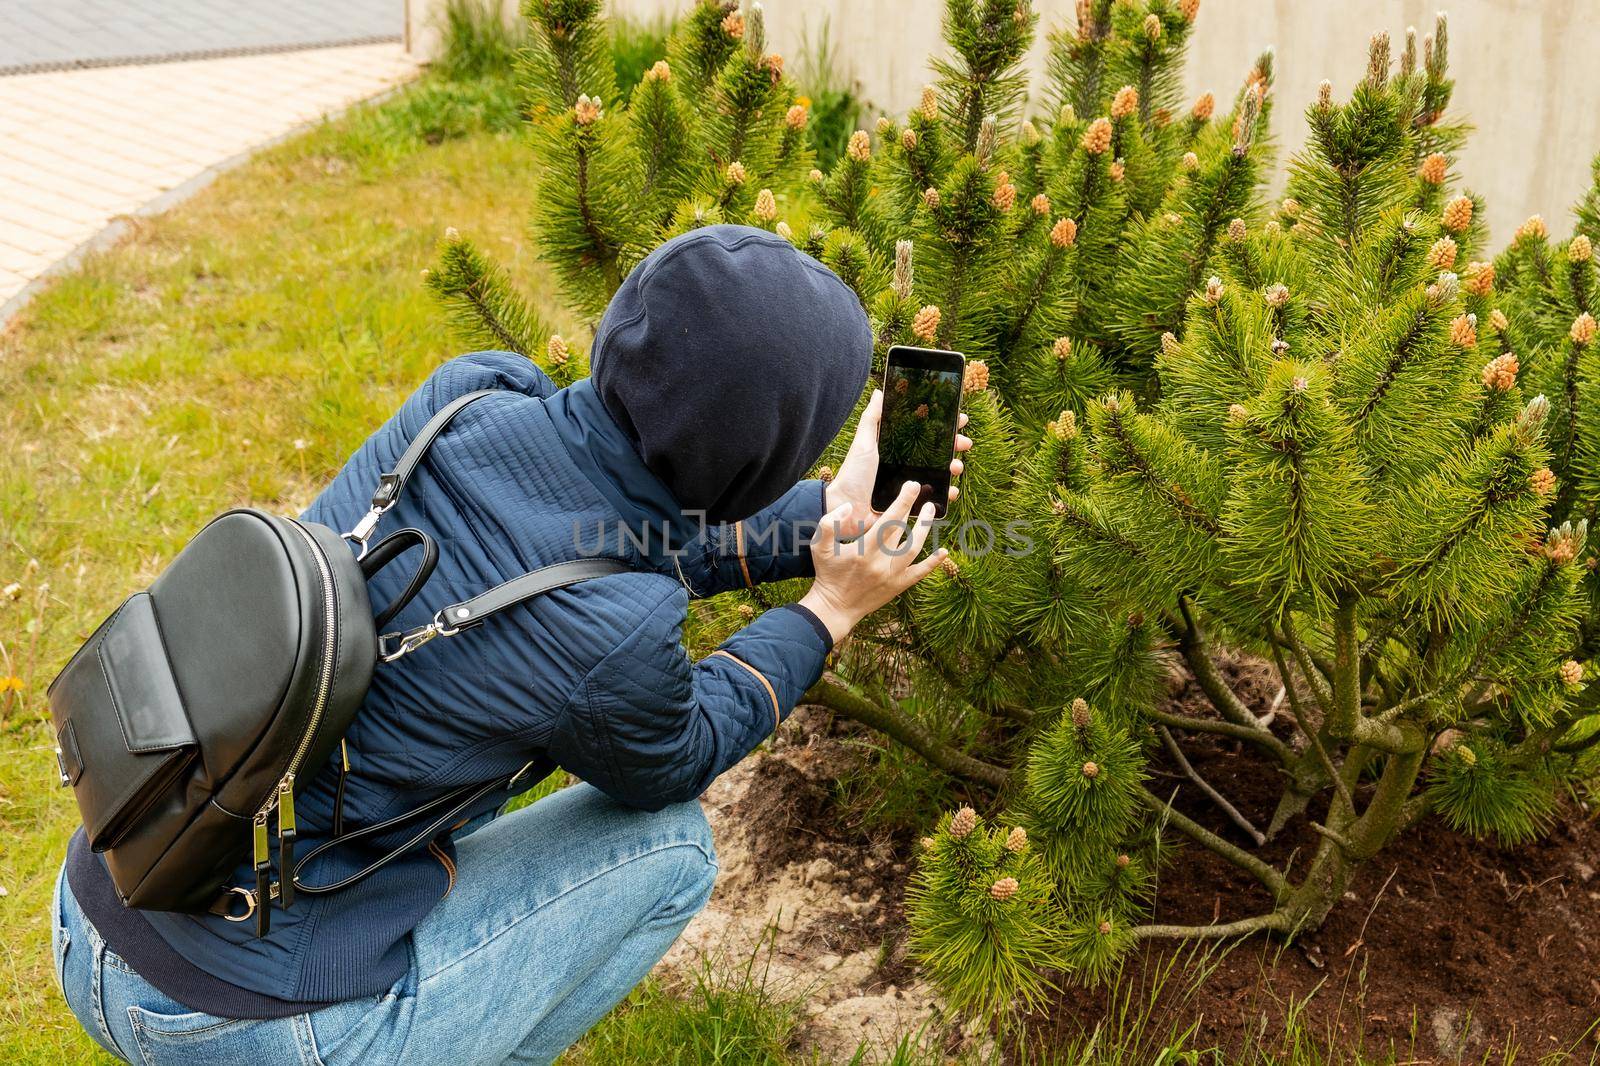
x=917 y=436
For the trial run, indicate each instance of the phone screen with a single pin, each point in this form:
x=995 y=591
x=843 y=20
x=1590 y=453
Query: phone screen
x=917 y=436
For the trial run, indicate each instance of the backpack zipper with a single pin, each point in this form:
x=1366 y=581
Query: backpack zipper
x=282 y=796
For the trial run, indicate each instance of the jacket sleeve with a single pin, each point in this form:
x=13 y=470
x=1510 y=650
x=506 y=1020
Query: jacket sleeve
x=769 y=546
x=470 y=373
x=650 y=727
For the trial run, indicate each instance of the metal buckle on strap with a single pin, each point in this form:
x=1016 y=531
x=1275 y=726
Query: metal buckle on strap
x=249 y=898
x=361 y=532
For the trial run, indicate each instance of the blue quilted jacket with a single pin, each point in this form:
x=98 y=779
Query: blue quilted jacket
x=592 y=679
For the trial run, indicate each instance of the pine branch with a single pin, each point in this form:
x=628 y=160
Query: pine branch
x=1313 y=736
x=1267 y=874
x=834 y=694
x=1250 y=734
x=1273 y=921
x=1194 y=649
x=1205 y=786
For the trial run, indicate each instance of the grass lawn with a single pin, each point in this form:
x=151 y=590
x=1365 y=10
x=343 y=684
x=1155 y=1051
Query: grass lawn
x=233 y=351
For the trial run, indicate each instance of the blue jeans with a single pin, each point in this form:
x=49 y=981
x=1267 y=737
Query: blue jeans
x=558 y=910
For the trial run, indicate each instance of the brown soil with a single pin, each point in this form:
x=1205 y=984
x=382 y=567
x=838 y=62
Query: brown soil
x=1445 y=949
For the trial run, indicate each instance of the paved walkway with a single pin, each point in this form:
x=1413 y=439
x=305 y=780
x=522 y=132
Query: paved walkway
x=41 y=34
x=84 y=146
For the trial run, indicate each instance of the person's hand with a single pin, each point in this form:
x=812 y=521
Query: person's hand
x=857 y=578
x=852 y=483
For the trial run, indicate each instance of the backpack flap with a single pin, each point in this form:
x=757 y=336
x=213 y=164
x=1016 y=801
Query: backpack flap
x=122 y=732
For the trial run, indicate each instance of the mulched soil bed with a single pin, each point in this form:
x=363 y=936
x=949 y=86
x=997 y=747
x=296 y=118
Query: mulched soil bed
x=1445 y=947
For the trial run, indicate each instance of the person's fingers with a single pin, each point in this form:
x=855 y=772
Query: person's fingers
x=890 y=528
x=963 y=442
x=919 y=570
x=961 y=422
x=921 y=532
x=956 y=467
x=871 y=416
x=829 y=526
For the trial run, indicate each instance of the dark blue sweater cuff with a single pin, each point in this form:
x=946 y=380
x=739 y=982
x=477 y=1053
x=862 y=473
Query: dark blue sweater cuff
x=815 y=622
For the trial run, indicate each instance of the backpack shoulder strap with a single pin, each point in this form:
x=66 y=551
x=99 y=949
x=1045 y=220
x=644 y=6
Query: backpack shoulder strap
x=392 y=483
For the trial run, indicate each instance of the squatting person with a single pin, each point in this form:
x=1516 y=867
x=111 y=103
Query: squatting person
x=724 y=365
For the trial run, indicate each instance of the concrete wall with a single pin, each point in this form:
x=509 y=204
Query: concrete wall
x=1527 y=71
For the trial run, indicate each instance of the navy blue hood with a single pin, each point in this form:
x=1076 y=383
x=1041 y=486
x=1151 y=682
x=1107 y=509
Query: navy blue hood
x=731 y=359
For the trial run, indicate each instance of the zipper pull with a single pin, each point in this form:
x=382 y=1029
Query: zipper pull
x=286 y=839
x=263 y=865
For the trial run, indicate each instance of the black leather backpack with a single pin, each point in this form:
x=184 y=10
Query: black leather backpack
x=197 y=710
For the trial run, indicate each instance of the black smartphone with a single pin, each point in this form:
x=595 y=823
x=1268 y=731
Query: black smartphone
x=917 y=435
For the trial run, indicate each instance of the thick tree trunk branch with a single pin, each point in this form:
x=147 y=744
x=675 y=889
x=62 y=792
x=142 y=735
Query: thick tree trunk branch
x=1252 y=734
x=1270 y=922
x=1210 y=679
x=838 y=697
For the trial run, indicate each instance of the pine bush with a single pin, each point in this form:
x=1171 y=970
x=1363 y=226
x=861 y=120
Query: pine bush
x=1294 y=430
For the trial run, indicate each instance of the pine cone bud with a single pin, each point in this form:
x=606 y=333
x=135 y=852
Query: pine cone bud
x=950 y=567
x=796 y=117
x=1583 y=328
x=1434 y=168
x=860 y=147
x=733 y=25
x=452 y=234
x=1062 y=347
x=1104 y=927
x=1064 y=232
x=884 y=125
x=1238 y=412
x=1081 y=714
x=735 y=174
x=1017 y=840
x=1040 y=204
x=1580 y=250
x=1457 y=214
x=1118 y=171
x=1279 y=346
x=1464 y=331
x=1530 y=420
x=824 y=473
x=1191 y=162
x=1543 y=481
x=988 y=139
x=1444 y=290
x=1572 y=673
x=977 y=376
x=1064 y=427
x=1562 y=545
x=1125 y=103
x=1123 y=862
x=556 y=351
x=1534 y=229
x=1271 y=227
x=783 y=230
x=816 y=176
x=1466 y=755
x=1378 y=60
x=1290 y=207
x=928 y=843
x=926 y=324
x=1277 y=295
x=1066 y=116
x=1203 y=107
x=1097 y=138
x=1325 y=93
x=1189 y=9
x=746 y=611
x=1479 y=277
x=586 y=110
x=766 y=208
x=1500 y=373
x=964 y=822
x=930 y=196
x=902 y=270
x=929 y=105
x=1152 y=27
x=1004 y=888
x=659 y=72
x=1442 y=256
x=1213 y=290
x=1030 y=133
x=1169 y=344
x=1236 y=230
x=1498 y=321
x=908 y=139
x=1005 y=196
